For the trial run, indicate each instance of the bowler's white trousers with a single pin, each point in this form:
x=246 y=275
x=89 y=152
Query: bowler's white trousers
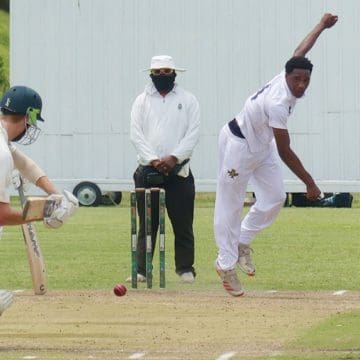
x=236 y=168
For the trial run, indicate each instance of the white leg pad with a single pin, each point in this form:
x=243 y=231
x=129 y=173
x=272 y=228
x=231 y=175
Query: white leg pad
x=6 y=299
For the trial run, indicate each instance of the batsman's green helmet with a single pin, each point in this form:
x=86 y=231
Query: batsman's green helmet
x=24 y=101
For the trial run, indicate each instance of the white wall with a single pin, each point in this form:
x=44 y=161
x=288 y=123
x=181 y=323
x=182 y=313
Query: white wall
x=85 y=58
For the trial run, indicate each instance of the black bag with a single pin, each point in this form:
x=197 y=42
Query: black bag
x=338 y=200
x=153 y=177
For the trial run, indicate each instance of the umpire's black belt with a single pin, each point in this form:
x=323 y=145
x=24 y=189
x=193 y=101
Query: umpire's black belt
x=235 y=129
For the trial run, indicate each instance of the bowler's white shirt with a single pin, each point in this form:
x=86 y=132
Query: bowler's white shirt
x=163 y=126
x=268 y=108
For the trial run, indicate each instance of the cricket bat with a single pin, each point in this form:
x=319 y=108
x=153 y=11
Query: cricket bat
x=38 y=207
x=36 y=260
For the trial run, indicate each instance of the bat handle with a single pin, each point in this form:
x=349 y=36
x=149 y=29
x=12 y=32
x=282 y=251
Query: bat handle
x=21 y=192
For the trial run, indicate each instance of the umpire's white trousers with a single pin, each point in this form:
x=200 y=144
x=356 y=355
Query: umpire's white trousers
x=236 y=168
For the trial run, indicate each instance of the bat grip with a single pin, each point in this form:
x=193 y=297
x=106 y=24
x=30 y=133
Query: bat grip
x=21 y=193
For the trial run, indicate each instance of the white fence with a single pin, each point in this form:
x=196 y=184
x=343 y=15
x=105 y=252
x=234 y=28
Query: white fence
x=86 y=57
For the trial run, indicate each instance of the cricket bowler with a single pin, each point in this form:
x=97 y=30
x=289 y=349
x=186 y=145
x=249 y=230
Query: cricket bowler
x=249 y=150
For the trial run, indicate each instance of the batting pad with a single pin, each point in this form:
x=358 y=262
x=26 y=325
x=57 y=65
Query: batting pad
x=6 y=299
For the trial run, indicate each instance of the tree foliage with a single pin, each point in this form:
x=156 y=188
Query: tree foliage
x=4 y=5
x=4 y=79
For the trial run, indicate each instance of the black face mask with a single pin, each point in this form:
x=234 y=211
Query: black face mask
x=163 y=82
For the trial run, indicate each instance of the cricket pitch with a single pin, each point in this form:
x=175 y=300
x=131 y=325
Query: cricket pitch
x=162 y=324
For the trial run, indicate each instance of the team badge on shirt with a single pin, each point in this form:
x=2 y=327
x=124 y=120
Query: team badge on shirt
x=232 y=173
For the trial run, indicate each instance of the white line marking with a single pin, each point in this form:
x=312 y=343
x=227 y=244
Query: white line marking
x=138 y=355
x=28 y=357
x=227 y=355
x=18 y=291
x=272 y=291
x=340 y=292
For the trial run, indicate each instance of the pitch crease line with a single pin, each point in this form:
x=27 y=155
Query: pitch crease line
x=138 y=355
x=226 y=356
x=340 y=292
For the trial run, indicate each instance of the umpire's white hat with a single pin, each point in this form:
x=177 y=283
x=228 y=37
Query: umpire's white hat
x=163 y=62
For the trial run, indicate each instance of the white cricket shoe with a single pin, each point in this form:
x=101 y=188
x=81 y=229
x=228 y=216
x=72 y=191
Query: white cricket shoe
x=230 y=281
x=140 y=278
x=187 y=277
x=244 y=260
x=6 y=299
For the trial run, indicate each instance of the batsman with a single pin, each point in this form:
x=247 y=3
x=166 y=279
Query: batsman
x=19 y=119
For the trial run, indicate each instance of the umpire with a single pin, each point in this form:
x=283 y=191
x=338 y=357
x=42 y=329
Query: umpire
x=164 y=130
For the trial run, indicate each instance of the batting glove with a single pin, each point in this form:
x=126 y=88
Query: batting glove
x=63 y=212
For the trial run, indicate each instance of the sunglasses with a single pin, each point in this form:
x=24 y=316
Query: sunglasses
x=165 y=71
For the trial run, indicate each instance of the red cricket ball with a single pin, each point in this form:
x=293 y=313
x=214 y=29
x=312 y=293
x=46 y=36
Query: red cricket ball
x=120 y=290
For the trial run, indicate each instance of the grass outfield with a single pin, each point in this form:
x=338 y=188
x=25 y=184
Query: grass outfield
x=306 y=249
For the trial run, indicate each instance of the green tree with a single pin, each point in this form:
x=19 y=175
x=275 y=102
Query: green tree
x=4 y=5
x=4 y=81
